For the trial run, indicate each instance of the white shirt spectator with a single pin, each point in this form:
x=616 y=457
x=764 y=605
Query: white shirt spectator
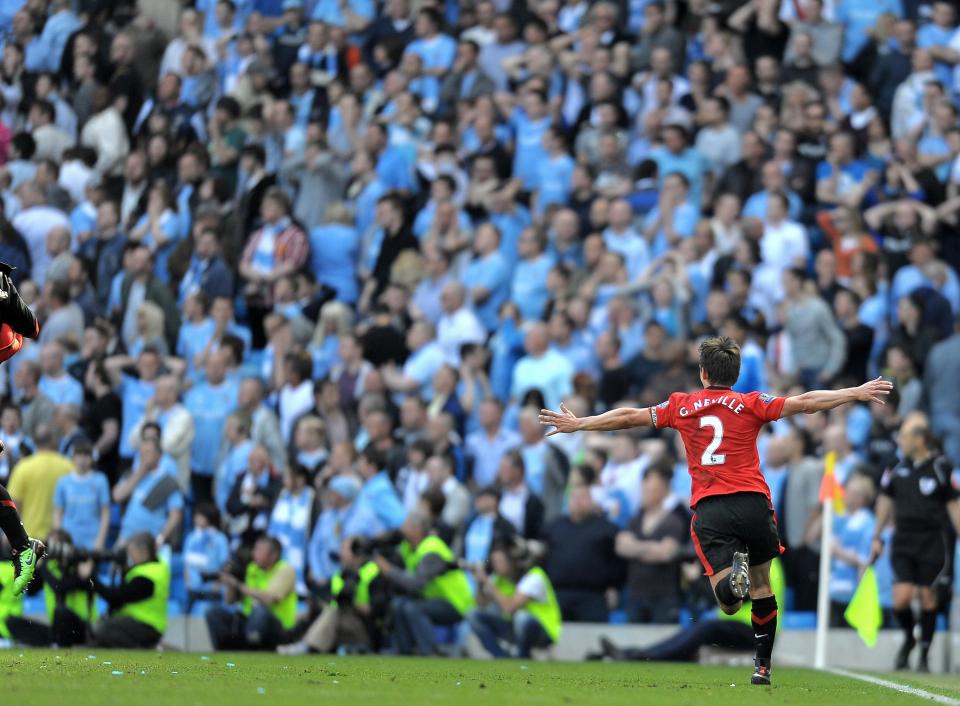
x=33 y=224
x=720 y=146
x=907 y=112
x=626 y=478
x=51 y=142
x=74 y=177
x=533 y=587
x=453 y=330
x=417 y=482
x=783 y=244
x=631 y=246
x=173 y=54
x=422 y=363
x=294 y=402
x=486 y=453
x=513 y=506
x=551 y=373
x=107 y=134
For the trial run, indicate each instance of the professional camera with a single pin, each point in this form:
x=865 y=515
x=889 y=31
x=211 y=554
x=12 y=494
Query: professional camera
x=66 y=554
x=384 y=545
x=233 y=566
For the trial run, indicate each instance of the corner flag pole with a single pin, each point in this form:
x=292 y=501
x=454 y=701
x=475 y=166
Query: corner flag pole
x=823 y=589
x=827 y=499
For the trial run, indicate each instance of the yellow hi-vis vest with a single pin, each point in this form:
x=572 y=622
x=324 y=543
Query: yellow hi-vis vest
x=9 y=603
x=366 y=575
x=778 y=584
x=150 y=611
x=547 y=612
x=451 y=586
x=81 y=603
x=285 y=609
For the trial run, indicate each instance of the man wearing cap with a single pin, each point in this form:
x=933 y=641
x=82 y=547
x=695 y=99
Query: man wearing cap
x=341 y=517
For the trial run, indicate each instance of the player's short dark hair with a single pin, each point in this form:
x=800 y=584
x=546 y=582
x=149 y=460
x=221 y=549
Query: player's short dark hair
x=720 y=360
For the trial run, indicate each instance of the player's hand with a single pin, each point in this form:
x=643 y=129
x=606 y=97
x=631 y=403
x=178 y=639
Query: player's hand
x=874 y=391
x=565 y=421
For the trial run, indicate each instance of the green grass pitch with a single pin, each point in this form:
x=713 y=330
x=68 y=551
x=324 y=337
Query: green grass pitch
x=79 y=677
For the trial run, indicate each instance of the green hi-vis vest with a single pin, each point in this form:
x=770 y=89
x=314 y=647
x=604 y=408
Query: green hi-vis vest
x=451 y=586
x=150 y=611
x=406 y=555
x=9 y=603
x=547 y=612
x=80 y=603
x=367 y=573
x=779 y=585
x=285 y=609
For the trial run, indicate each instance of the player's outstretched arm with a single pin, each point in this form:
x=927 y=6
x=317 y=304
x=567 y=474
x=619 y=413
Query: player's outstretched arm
x=566 y=422
x=822 y=400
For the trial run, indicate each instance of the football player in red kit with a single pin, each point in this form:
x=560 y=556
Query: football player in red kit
x=16 y=323
x=734 y=530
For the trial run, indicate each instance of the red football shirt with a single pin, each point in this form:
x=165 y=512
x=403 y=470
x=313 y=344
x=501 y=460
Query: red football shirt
x=719 y=429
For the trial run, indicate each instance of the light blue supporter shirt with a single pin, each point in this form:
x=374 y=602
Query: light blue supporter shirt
x=204 y=550
x=192 y=340
x=528 y=290
x=134 y=395
x=437 y=52
x=139 y=518
x=209 y=405
x=379 y=495
x=528 y=149
x=853 y=533
x=62 y=390
x=858 y=18
x=230 y=469
x=334 y=251
x=491 y=272
x=82 y=498
x=554 y=181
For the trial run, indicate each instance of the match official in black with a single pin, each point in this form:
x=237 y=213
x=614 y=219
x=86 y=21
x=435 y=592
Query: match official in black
x=917 y=495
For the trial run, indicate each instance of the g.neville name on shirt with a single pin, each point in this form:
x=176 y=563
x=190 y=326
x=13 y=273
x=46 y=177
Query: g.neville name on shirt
x=730 y=403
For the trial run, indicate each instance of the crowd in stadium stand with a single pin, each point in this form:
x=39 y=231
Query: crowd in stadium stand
x=307 y=271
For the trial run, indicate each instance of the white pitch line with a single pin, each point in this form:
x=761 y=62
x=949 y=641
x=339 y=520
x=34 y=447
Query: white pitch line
x=902 y=688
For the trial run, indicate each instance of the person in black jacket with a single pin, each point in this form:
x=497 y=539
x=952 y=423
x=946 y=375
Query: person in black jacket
x=581 y=562
x=846 y=306
x=518 y=504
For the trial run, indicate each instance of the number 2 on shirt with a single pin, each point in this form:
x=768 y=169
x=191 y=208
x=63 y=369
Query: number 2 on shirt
x=710 y=458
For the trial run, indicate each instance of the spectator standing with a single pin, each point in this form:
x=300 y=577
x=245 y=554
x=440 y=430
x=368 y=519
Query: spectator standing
x=851 y=545
x=209 y=403
x=290 y=521
x=33 y=482
x=817 y=343
x=154 y=501
x=581 y=560
x=81 y=501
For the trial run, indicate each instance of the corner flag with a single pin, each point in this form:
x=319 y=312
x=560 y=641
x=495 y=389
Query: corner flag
x=830 y=488
x=864 y=613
